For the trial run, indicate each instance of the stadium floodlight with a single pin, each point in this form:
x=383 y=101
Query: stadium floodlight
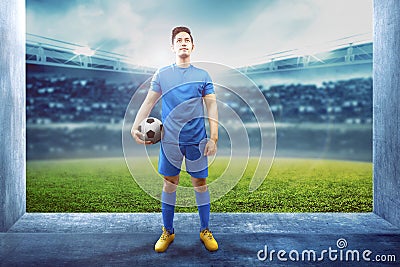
x=84 y=51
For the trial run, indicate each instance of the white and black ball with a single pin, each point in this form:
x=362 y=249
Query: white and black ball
x=151 y=128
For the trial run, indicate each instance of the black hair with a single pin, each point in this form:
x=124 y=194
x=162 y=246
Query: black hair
x=179 y=29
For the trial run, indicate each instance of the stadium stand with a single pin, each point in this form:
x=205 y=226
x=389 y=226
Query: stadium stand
x=75 y=117
x=69 y=100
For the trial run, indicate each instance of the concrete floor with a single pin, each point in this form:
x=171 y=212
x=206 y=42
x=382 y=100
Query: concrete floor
x=127 y=239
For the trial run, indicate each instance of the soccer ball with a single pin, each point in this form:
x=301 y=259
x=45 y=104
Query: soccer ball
x=151 y=128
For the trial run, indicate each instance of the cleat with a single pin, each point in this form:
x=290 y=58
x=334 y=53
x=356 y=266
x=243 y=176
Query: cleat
x=208 y=240
x=163 y=242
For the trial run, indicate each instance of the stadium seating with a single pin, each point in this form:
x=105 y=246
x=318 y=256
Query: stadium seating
x=101 y=107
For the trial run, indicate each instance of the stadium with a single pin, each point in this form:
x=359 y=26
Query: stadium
x=77 y=99
x=82 y=98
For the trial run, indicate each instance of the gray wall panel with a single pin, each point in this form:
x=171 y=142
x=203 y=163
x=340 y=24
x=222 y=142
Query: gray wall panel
x=386 y=104
x=12 y=113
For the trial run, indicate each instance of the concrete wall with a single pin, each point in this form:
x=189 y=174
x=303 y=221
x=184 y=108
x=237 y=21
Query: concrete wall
x=386 y=98
x=12 y=113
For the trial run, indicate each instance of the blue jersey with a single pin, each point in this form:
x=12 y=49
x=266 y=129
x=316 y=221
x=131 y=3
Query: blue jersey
x=182 y=109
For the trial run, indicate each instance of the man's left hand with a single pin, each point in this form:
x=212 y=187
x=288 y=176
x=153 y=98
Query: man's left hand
x=211 y=148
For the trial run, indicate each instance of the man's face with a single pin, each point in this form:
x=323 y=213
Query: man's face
x=182 y=45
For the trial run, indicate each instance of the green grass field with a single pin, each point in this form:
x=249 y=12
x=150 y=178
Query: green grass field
x=292 y=185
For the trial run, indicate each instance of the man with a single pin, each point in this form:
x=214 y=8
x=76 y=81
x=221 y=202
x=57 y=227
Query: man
x=183 y=88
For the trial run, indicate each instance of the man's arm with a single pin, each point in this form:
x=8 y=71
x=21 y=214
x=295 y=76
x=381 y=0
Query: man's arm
x=144 y=111
x=212 y=113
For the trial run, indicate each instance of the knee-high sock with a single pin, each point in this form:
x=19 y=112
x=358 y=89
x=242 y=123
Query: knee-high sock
x=203 y=205
x=168 y=210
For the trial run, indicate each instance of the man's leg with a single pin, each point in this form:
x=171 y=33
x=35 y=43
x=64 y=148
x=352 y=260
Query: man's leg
x=168 y=196
x=168 y=200
x=203 y=205
x=202 y=200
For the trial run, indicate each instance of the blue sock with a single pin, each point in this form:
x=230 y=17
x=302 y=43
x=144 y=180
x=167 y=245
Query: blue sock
x=203 y=205
x=168 y=210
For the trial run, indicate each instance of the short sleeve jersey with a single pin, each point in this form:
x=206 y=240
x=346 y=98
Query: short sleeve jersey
x=182 y=110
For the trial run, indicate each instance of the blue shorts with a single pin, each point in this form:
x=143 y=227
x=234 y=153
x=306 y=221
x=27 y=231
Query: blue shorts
x=171 y=158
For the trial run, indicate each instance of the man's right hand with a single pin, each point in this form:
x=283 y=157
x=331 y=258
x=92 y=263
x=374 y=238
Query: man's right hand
x=139 y=138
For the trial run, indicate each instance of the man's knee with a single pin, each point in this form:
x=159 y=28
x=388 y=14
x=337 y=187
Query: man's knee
x=170 y=183
x=199 y=184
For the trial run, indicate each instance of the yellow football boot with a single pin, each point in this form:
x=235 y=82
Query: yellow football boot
x=163 y=242
x=207 y=238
